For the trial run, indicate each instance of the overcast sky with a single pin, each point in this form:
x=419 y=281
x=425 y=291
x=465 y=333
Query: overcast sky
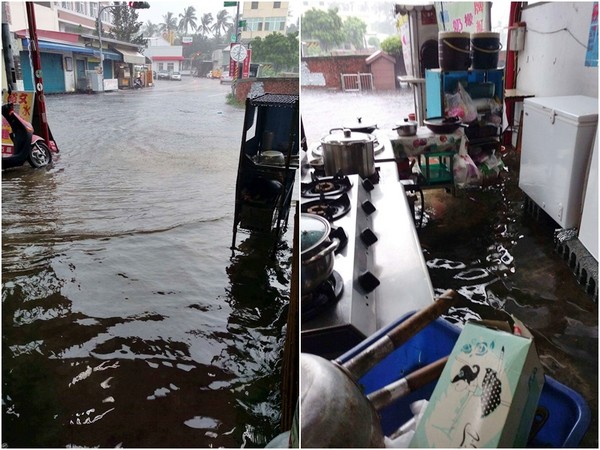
x=159 y=8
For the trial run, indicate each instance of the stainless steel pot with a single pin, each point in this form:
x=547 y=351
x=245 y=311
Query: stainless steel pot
x=317 y=251
x=407 y=128
x=348 y=153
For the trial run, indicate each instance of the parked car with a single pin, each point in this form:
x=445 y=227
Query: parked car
x=163 y=75
x=226 y=79
x=176 y=76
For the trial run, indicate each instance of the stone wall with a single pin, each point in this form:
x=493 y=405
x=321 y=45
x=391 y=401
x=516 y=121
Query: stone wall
x=325 y=71
x=257 y=86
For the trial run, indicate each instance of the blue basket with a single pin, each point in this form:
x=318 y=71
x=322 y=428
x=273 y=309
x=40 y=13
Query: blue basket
x=568 y=415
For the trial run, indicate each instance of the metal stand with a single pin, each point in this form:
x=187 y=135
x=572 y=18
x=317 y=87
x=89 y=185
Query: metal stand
x=264 y=190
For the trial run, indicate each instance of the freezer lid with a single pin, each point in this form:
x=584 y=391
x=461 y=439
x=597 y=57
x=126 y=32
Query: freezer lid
x=579 y=108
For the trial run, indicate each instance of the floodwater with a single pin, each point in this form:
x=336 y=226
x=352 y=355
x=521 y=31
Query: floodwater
x=126 y=320
x=484 y=245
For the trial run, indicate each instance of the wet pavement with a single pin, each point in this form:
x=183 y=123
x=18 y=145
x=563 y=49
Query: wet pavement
x=126 y=319
x=483 y=244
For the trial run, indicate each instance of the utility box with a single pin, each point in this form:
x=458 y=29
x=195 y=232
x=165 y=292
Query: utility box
x=94 y=80
x=558 y=134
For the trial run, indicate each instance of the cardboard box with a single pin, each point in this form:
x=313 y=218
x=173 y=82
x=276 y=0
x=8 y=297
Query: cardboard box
x=487 y=394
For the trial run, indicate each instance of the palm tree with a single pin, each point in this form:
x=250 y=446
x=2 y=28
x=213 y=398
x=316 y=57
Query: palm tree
x=205 y=24
x=169 y=26
x=150 y=29
x=222 y=22
x=188 y=19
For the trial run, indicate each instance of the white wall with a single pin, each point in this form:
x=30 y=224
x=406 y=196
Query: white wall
x=554 y=63
x=45 y=18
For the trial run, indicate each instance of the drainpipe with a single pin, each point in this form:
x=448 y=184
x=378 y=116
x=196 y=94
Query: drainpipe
x=9 y=66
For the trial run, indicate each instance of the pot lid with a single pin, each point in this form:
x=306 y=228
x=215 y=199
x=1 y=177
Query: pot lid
x=346 y=136
x=360 y=123
x=314 y=230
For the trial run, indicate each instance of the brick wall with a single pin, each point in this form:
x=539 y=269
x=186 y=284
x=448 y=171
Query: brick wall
x=331 y=67
x=257 y=86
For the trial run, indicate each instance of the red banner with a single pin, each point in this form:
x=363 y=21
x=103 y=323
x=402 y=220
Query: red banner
x=246 y=64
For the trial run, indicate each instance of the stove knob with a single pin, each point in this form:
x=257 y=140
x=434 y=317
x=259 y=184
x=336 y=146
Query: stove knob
x=368 y=185
x=368 y=207
x=368 y=281
x=368 y=237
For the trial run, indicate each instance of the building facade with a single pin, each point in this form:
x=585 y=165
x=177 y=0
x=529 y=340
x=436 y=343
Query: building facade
x=70 y=48
x=263 y=18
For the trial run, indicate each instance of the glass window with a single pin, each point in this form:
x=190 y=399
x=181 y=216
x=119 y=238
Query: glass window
x=160 y=66
x=254 y=5
x=274 y=23
x=253 y=24
x=276 y=5
x=94 y=10
x=170 y=67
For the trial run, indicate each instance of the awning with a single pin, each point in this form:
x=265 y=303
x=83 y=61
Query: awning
x=167 y=58
x=131 y=56
x=44 y=45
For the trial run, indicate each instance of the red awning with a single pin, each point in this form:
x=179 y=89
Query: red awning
x=167 y=58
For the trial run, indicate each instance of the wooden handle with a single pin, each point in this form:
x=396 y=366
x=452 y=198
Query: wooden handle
x=364 y=361
x=413 y=381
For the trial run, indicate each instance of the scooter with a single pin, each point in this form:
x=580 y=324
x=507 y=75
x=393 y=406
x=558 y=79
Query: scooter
x=137 y=83
x=27 y=146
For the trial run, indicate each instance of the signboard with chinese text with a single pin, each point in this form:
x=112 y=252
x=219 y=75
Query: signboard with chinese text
x=465 y=17
x=246 y=64
x=23 y=103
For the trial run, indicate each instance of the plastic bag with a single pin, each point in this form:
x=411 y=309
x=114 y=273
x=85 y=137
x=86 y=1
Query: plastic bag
x=465 y=171
x=461 y=105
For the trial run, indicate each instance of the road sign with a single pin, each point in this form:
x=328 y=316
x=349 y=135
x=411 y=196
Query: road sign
x=230 y=4
x=238 y=52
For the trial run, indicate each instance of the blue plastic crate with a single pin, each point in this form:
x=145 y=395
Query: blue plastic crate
x=568 y=415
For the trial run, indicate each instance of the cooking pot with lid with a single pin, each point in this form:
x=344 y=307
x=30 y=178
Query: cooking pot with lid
x=362 y=126
x=317 y=251
x=348 y=153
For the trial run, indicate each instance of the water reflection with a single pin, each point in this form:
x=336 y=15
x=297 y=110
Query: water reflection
x=258 y=296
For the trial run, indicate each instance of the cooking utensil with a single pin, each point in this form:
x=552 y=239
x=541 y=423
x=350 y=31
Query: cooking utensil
x=272 y=157
x=408 y=128
x=362 y=126
x=348 y=153
x=335 y=412
x=443 y=125
x=317 y=251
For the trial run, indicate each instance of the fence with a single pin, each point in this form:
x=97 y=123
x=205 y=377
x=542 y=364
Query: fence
x=356 y=82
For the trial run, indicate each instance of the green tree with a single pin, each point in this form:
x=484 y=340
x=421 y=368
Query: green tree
x=150 y=29
x=354 y=32
x=188 y=19
x=277 y=49
x=374 y=42
x=392 y=45
x=324 y=26
x=169 y=25
x=126 y=26
x=206 y=24
x=222 y=22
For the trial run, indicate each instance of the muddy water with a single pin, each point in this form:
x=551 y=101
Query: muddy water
x=126 y=320
x=483 y=244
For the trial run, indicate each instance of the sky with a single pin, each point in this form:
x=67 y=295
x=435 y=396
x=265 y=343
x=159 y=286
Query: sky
x=159 y=8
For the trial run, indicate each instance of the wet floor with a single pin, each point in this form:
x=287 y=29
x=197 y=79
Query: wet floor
x=483 y=244
x=126 y=320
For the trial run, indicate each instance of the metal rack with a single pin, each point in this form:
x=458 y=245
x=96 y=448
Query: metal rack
x=264 y=190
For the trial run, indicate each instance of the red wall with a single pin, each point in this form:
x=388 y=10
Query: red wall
x=333 y=66
x=270 y=86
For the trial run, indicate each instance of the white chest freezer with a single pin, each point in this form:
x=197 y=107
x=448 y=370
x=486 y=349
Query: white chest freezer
x=557 y=139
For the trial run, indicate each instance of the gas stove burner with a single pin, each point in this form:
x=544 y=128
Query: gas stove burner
x=329 y=208
x=324 y=296
x=335 y=185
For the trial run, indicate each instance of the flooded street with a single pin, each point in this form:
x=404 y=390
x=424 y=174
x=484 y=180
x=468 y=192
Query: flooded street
x=126 y=319
x=484 y=245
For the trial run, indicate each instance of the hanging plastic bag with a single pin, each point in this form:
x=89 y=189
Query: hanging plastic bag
x=465 y=171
